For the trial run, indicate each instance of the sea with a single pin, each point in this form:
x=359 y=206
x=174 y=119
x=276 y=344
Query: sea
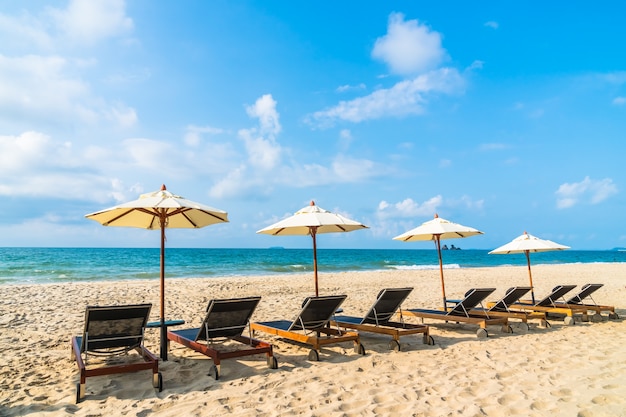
x=60 y=265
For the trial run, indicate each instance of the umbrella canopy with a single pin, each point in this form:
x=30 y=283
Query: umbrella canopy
x=527 y=243
x=435 y=230
x=160 y=210
x=312 y=220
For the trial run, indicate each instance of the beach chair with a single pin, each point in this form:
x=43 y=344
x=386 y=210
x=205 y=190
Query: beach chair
x=112 y=332
x=378 y=318
x=311 y=326
x=550 y=306
x=225 y=320
x=502 y=308
x=461 y=313
x=578 y=302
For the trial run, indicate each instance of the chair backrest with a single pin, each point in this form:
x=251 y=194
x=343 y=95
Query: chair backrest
x=585 y=292
x=386 y=305
x=511 y=296
x=557 y=292
x=114 y=327
x=316 y=312
x=227 y=317
x=472 y=298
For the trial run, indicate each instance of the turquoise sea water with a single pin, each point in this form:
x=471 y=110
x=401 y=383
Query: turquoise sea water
x=47 y=265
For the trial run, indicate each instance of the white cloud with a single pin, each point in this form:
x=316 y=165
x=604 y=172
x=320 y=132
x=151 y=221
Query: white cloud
x=194 y=133
x=615 y=77
x=263 y=153
x=39 y=87
x=587 y=191
x=492 y=24
x=121 y=115
x=619 y=101
x=409 y=208
x=409 y=47
x=347 y=169
x=493 y=146
x=477 y=64
x=405 y=98
x=265 y=110
x=17 y=31
x=88 y=21
x=34 y=165
x=347 y=87
x=50 y=88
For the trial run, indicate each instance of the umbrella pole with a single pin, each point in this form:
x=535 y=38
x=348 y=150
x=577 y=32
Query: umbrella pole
x=162 y=327
x=443 y=285
x=313 y=233
x=530 y=275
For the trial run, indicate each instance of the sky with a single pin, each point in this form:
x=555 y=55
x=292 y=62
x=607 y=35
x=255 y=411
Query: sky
x=506 y=117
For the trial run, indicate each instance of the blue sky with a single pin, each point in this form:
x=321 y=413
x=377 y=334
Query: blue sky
x=509 y=117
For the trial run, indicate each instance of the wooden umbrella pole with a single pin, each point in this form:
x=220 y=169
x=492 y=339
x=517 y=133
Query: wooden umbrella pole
x=163 y=329
x=313 y=234
x=530 y=275
x=443 y=286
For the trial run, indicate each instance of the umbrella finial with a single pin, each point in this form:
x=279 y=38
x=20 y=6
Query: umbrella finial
x=163 y=188
x=312 y=203
x=436 y=216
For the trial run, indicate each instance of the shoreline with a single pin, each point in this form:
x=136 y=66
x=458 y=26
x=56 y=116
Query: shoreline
x=562 y=370
x=415 y=268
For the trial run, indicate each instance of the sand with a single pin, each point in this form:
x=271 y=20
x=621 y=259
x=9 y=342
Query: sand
x=577 y=370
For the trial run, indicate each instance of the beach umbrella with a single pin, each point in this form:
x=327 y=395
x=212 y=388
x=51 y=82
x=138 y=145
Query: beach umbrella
x=436 y=230
x=312 y=220
x=527 y=243
x=157 y=211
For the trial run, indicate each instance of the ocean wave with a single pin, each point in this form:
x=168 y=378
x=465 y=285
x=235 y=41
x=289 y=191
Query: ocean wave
x=423 y=267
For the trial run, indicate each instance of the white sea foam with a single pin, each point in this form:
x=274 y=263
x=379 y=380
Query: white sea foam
x=423 y=267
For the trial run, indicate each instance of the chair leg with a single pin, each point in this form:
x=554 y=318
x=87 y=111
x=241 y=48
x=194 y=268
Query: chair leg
x=80 y=391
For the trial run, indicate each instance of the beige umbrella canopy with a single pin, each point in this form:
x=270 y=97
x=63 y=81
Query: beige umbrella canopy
x=312 y=220
x=435 y=230
x=527 y=243
x=160 y=210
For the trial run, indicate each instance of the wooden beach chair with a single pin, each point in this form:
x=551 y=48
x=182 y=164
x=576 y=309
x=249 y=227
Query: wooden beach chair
x=549 y=305
x=112 y=332
x=378 y=318
x=312 y=326
x=461 y=313
x=225 y=320
x=502 y=308
x=577 y=302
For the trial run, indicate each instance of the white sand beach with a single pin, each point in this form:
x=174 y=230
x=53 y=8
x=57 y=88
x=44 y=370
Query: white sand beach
x=577 y=370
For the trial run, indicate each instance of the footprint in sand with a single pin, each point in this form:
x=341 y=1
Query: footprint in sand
x=606 y=399
x=509 y=399
x=541 y=406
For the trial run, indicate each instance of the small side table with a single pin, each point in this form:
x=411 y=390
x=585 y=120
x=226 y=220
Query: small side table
x=165 y=344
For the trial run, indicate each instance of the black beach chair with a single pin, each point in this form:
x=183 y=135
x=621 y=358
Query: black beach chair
x=311 y=326
x=550 y=305
x=378 y=318
x=113 y=331
x=578 y=302
x=225 y=319
x=502 y=308
x=462 y=312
